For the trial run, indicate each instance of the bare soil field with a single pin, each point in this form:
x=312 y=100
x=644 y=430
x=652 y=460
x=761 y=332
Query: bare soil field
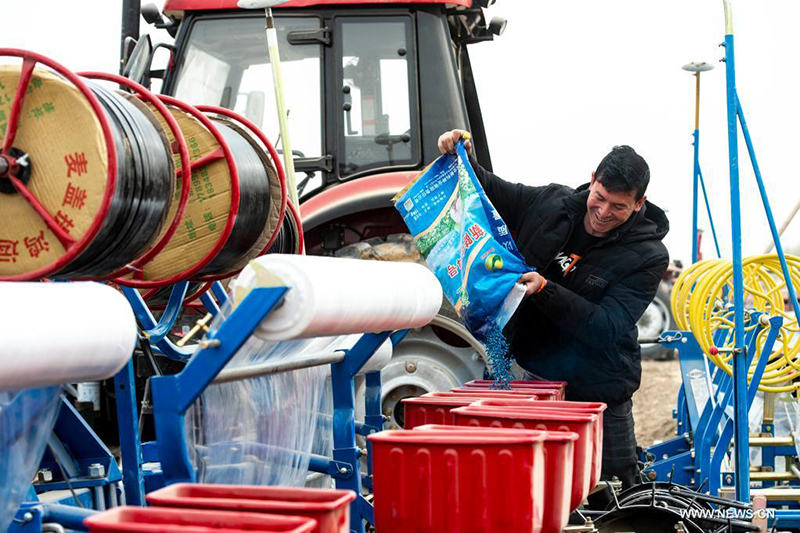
x=654 y=401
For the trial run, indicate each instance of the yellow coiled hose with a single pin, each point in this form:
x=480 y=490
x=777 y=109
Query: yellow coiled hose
x=702 y=302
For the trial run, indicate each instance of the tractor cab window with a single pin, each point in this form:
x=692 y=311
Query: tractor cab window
x=378 y=94
x=227 y=64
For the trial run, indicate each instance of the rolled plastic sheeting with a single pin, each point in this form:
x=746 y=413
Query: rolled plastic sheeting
x=337 y=296
x=55 y=333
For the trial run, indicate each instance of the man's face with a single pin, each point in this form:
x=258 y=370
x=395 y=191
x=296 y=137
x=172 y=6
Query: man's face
x=606 y=210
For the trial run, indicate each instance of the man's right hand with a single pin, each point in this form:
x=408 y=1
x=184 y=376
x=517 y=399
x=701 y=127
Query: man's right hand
x=447 y=141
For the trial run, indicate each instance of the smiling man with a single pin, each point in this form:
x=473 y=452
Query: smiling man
x=599 y=259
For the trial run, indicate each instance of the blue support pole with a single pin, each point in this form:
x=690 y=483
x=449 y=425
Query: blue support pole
x=344 y=410
x=741 y=439
x=767 y=209
x=695 y=179
x=129 y=439
x=708 y=210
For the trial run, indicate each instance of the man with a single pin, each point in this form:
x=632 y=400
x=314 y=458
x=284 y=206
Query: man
x=599 y=259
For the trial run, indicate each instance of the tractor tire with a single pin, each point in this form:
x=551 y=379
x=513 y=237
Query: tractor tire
x=436 y=357
x=657 y=319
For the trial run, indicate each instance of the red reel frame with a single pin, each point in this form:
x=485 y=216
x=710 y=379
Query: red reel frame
x=279 y=168
x=183 y=151
x=223 y=152
x=73 y=248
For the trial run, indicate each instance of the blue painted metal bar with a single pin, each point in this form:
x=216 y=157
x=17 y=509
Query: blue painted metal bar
x=157 y=331
x=173 y=395
x=373 y=417
x=739 y=368
x=695 y=179
x=219 y=293
x=69 y=516
x=344 y=406
x=721 y=448
x=767 y=209
x=210 y=303
x=129 y=441
x=708 y=210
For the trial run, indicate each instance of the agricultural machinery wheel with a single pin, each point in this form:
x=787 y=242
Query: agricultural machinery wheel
x=436 y=357
x=657 y=319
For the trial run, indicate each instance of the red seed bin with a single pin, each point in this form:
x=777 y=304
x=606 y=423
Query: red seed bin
x=596 y=408
x=164 y=520
x=431 y=481
x=330 y=508
x=559 y=448
x=522 y=384
x=541 y=394
x=547 y=419
x=432 y=409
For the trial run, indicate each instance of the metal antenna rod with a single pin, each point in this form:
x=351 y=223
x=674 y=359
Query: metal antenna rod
x=277 y=81
x=696 y=68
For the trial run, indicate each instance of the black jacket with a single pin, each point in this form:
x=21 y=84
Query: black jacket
x=581 y=329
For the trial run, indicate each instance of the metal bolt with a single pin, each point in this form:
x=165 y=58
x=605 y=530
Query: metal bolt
x=411 y=367
x=27 y=517
x=211 y=343
x=728 y=478
x=44 y=475
x=651 y=475
x=96 y=470
x=344 y=470
x=665 y=456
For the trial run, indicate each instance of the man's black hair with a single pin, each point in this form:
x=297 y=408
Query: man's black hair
x=623 y=170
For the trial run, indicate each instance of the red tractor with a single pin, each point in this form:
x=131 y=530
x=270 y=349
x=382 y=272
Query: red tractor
x=370 y=86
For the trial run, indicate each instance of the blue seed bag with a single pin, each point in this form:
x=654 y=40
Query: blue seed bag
x=467 y=246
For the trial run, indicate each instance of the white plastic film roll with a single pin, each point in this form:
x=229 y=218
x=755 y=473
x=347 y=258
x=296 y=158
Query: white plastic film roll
x=337 y=296
x=53 y=333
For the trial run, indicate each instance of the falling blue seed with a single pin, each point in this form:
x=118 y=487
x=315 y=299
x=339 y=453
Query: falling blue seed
x=499 y=361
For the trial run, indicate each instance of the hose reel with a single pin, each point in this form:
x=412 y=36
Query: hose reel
x=702 y=302
x=92 y=183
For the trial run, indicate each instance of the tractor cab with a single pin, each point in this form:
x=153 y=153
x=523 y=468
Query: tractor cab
x=369 y=87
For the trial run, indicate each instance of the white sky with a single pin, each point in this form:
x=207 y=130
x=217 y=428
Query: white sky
x=568 y=80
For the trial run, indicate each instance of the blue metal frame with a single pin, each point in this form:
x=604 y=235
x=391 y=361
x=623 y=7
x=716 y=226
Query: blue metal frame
x=173 y=395
x=129 y=438
x=31 y=517
x=712 y=429
x=156 y=331
x=697 y=179
x=739 y=355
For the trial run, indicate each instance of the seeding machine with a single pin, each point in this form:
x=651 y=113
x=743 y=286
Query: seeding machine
x=172 y=266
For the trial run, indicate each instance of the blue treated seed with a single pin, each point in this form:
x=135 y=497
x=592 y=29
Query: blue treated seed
x=499 y=360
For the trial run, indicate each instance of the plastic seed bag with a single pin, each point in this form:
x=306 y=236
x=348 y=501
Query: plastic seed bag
x=468 y=247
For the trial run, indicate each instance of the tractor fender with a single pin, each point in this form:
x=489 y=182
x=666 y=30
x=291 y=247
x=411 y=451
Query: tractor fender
x=362 y=194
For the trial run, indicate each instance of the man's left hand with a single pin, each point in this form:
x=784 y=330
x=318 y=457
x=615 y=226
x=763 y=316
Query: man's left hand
x=532 y=282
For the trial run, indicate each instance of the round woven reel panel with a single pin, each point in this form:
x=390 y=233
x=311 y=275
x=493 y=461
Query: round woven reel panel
x=258 y=211
x=203 y=228
x=69 y=173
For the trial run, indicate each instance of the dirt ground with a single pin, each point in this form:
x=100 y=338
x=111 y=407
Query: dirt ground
x=654 y=401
